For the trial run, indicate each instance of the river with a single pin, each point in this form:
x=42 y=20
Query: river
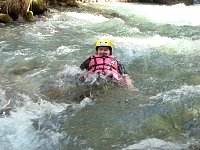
x=43 y=105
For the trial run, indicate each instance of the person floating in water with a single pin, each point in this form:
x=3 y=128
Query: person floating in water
x=103 y=62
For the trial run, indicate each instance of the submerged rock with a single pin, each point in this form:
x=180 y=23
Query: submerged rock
x=76 y=87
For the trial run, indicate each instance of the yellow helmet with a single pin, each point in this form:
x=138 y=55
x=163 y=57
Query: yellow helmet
x=104 y=42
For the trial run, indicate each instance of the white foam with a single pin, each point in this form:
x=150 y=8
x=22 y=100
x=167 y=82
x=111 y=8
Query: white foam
x=87 y=17
x=17 y=130
x=69 y=70
x=177 y=94
x=179 y=14
x=64 y=50
x=154 y=143
x=175 y=46
x=3 y=101
x=3 y=44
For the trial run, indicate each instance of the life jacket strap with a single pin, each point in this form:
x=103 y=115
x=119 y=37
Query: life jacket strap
x=104 y=64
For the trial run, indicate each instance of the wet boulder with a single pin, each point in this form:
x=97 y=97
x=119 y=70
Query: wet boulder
x=4 y=18
x=17 y=10
x=169 y=2
x=146 y=1
x=196 y=1
x=64 y=3
x=39 y=6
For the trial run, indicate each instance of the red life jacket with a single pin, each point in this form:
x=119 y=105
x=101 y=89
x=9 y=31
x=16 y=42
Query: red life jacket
x=107 y=65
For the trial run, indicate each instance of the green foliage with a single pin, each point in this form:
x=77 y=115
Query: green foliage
x=30 y=15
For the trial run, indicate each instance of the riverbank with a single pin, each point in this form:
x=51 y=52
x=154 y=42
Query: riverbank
x=25 y=10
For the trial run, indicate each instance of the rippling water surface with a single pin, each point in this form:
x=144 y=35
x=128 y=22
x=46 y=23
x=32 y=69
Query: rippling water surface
x=43 y=105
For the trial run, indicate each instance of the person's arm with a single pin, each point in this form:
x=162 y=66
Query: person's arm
x=85 y=64
x=84 y=67
x=122 y=69
x=124 y=73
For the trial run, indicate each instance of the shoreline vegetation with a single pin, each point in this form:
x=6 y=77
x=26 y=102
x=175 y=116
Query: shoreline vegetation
x=25 y=10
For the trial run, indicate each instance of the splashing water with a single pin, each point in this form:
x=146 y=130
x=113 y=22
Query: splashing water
x=44 y=106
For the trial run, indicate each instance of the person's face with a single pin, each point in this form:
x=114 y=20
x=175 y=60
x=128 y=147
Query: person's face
x=103 y=51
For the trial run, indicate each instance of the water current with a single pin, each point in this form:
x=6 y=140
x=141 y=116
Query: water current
x=43 y=106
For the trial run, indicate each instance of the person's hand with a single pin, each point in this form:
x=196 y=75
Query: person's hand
x=81 y=78
x=130 y=83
